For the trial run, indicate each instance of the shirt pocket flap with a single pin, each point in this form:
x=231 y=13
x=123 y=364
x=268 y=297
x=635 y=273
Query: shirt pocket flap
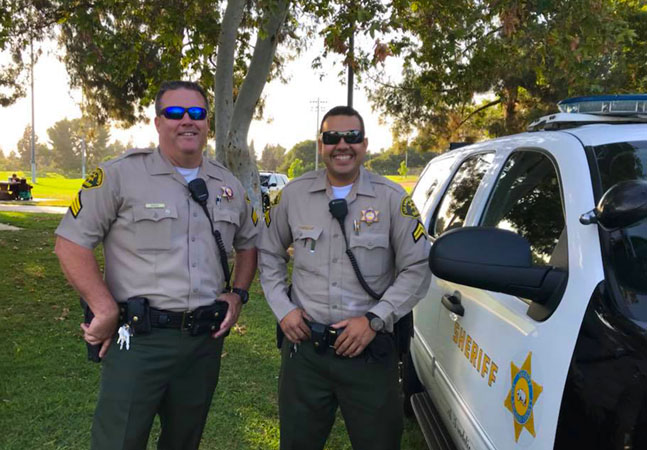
x=310 y=232
x=155 y=214
x=225 y=215
x=369 y=241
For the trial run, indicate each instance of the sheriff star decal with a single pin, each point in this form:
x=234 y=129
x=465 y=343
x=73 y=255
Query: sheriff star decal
x=94 y=180
x=522 y=397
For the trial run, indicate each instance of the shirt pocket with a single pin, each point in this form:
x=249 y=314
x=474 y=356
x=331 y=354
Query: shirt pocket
x=372 y=253
x=226 y=221
x=153 y=227
x=307 y=248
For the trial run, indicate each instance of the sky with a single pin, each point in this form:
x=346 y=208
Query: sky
x=290 y=112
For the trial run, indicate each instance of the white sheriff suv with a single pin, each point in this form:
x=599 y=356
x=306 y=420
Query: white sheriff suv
x=533 y=334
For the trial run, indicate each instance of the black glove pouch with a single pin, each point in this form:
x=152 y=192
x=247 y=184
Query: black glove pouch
x=207 y=319
x=138 y=315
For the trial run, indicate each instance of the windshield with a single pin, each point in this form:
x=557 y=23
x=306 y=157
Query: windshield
x=628 y=247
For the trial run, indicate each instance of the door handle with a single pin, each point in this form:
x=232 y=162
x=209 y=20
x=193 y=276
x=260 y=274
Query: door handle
x=453 y=303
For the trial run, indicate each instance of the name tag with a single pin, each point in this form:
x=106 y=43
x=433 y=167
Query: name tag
x=155 y=205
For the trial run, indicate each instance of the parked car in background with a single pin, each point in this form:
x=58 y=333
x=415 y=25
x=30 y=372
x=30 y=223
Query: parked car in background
x=271 y=185
x=533 y=334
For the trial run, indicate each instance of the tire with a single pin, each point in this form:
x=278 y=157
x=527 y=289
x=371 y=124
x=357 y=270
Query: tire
x=410 y=384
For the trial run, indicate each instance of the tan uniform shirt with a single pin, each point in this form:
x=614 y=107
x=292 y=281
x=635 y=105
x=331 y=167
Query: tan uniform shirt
x=383 y=231
x=157 y=240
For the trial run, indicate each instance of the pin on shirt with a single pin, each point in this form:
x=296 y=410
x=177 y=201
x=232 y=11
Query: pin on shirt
x=356 y=227
x=227 y=193
x=370 y=216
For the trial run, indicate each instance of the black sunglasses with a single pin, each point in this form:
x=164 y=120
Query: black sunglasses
x=177 y=112
x=350 y=137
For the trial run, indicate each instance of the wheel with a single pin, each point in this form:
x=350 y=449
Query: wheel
x=410 y=383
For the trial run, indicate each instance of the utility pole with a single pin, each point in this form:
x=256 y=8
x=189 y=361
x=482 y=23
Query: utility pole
x=351 y=56
x=318 y=104
x=33 y=134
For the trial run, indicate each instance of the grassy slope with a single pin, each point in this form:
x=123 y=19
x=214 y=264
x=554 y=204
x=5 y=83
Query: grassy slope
x=48 y=389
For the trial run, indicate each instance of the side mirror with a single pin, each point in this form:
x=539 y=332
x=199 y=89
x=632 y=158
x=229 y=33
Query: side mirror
x=500 y=261
x=624 y=204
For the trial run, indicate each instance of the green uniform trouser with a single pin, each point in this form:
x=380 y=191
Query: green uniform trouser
x=167 y=372
x=311 y=385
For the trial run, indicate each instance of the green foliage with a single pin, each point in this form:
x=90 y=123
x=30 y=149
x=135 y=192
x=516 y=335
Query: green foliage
x=403 y=169
x=296 y=169
x=390 y=161
x=48 y=389
x=305 y=151
x=271 y=158
x=526 y=55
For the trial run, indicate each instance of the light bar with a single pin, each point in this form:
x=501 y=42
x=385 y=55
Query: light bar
x=625 y=104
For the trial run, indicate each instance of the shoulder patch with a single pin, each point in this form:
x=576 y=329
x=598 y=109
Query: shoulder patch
x=418 y=232
x=254 y=216
x=94 y=180
x=76 y=206
x=408 y=208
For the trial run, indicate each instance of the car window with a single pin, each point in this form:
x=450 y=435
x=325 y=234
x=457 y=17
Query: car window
x=527 y=200
x=272 y=180
x=621 y=161
x=459 y=195
x=264 y=179
x=437 y=171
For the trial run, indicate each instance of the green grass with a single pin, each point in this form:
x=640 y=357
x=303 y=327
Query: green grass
x=59 y=191
x=48 y=389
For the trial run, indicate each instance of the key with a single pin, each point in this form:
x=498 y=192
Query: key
x=124 y=333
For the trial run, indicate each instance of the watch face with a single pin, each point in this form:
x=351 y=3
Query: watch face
x=377 y=324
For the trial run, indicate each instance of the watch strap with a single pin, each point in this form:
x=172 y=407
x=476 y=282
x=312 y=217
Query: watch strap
x=242 y=293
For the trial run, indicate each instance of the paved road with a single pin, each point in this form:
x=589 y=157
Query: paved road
x=33 y=209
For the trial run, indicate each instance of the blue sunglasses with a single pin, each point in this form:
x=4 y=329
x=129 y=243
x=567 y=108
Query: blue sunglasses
x=177 y=112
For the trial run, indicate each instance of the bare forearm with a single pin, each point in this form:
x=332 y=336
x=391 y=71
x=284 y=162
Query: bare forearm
x=82 y=271
x=245 y=268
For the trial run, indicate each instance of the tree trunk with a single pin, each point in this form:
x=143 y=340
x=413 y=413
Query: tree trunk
x=235 y=152
x=510 y=104
x=224 y=79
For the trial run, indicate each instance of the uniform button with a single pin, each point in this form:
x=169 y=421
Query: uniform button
x=195 y=214
x=195 y=289
x=193 y=239
x=334 y=283
x=335 y=260
x=193 y=265
x=335 y=235
x=334 y=306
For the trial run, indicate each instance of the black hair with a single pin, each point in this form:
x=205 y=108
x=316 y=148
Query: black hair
x=174 y=86
x=342 y=111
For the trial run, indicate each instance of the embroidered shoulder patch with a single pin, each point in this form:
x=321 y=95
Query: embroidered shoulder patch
x=408 y=208
x=76 y=206
x=94 y=180
x=418 y=232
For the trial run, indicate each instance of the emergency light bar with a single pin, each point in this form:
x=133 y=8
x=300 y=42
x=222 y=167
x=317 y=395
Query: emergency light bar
x=626 y=104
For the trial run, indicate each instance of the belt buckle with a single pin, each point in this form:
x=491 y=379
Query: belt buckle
x=331 y=336
x=187 y=320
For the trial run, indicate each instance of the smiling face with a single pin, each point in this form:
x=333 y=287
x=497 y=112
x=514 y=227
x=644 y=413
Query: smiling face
x=342 y=160
x=182 y=141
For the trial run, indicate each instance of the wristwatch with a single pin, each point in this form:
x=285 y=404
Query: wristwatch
x=242 y=293
x=375 y=322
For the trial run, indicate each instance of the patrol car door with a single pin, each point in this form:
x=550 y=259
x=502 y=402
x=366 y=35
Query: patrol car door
x=448 y=200
x=503 y=371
